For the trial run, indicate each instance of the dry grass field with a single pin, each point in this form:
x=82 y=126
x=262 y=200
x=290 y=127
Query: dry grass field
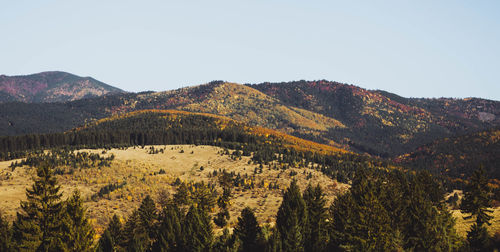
x=141 y=172
x=463 y=226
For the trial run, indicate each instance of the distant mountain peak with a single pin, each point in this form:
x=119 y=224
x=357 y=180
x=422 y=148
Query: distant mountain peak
x=51 y=86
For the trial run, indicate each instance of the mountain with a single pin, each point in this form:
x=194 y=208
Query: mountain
x=344 y=116
x=382 y=123
x=458 y=156
x=51 y=87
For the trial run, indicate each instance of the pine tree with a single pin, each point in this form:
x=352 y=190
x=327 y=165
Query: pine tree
x=429 y=224
x=182 y=195
x=38 y=225
x=78 y=233
x=115 y=229
x=316 y=233
x=477 y=199
x=147 y=219
x=134 y=236
x=169 y=233
x=248 y=231
x=225 y=242
x=106 y=242
x=478 y=238
x=5 y=234
x=291 y=219
x=112 y=236
x=359 y=222
x=274 y=242
x=197 y=230
x=476 y=202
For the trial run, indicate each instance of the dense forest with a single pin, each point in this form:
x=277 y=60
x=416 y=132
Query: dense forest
x=392 y=212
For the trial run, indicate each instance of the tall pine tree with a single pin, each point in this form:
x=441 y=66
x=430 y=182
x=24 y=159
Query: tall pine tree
x=249 y=232
x=169 y=232
x=359 y=221
x=5 y=234
x=316 y=233
x=38 y=225
x=429 y=226
x=476 y=202
x=291 y=219
x=77 y=231
x=112 y=236
x=197 y=230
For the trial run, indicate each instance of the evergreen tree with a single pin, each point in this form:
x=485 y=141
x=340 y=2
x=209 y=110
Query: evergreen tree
x=225 y=242
x=316 y=233
x=274 y=242
x=115 y=229
x=478 y=238
x=291 y=219
x=5 y=234
x=182 y=195
x=169 y=233
x=111 y=238
x=134 y=236
x=147 y=219
x=197 y=230
x=38 y=225
x=359 y=220
x=106 y=242
x=248 y=231
x=429 y=226
x=476 y=202
x=78 y=233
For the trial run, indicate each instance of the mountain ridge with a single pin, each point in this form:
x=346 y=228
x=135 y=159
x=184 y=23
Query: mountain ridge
x=51 y=86
x=341 y=115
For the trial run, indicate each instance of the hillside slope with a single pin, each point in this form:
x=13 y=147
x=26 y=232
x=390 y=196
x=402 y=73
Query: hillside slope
x=51 y=87
x=382 y=123
x=340 y=115
x=458 y=156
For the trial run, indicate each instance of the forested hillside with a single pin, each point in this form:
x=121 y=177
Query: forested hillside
x=457 y=156
x=346 y=116
x=383 y=123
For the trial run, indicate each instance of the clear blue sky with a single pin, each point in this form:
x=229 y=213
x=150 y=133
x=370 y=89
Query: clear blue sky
x=412 y=48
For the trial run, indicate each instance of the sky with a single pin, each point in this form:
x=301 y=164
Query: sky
x=411 y=48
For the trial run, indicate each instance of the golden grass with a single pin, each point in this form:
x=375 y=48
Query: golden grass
x=137 y=168
x=463 y=226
